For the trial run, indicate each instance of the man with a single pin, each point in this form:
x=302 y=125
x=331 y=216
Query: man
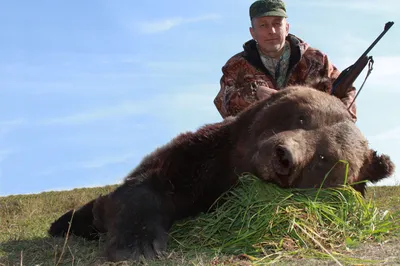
x=272 y=60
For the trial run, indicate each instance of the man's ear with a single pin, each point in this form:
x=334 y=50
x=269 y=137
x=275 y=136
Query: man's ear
x=376 y=167
x=253 y=35
x=287 y=28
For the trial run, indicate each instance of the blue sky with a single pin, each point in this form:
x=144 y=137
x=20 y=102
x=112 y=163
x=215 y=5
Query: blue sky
x=87 y=88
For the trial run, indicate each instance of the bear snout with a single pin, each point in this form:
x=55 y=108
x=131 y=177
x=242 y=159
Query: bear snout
x=283 y=160
x=288 y=159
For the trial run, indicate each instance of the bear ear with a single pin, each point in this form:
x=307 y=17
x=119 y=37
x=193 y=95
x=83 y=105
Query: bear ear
x=321 y=84
x=376 y=167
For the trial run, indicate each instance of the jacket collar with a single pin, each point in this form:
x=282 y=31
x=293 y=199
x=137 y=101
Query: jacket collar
x=297 y=46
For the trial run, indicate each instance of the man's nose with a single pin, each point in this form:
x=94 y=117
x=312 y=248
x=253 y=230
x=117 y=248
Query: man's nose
x=272 y=30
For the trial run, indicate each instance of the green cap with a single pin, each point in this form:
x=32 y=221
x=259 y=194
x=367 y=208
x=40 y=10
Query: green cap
x=262 y=8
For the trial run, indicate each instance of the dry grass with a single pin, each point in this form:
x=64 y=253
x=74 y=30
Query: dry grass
x=24 y=220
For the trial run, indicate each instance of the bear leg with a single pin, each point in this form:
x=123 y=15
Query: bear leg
x=80 y=223
x=141 y=224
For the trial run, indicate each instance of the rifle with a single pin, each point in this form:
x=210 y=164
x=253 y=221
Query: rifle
x=350 y=74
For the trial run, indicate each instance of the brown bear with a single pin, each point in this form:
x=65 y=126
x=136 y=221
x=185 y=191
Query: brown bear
x=292 y=139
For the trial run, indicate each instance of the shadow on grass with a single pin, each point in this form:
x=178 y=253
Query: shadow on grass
x=51 y=251
x=77 y=251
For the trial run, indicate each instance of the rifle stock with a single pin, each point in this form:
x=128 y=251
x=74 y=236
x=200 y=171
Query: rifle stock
x=347 y=77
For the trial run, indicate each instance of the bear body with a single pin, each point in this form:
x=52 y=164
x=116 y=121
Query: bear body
x=292 y=139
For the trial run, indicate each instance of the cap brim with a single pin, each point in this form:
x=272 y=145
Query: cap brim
x=272 y=14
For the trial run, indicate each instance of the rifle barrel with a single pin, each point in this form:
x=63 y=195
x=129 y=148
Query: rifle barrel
x=345 y=73
x=388 y=25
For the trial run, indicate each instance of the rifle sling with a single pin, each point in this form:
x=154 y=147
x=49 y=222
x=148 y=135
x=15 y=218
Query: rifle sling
x=370 y=68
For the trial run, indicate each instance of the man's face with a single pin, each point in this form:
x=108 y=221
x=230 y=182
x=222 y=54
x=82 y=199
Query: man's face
x=270 y=33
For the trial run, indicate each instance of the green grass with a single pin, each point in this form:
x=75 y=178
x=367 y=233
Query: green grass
x=264 y=221
x=254 y=223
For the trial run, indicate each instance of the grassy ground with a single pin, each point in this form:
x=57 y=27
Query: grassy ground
x=24 y=220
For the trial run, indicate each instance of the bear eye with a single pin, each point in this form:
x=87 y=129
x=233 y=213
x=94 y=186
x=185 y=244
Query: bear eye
x=301 y=119
x=321 y=157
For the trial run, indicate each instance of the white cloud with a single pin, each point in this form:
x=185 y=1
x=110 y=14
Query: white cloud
x=385 y=69
x=124 y=109
x=178 y=67
x=167 y=24
x=93 y=163
x=198 y=100
x=9 y=125
x=389 y=135
x=67 y=59
x=184 y=109
x=193 y=99
x=5 y=153
x=351 y=45
x=107 y=160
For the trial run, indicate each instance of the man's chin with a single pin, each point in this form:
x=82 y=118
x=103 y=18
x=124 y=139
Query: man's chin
x=271 y=49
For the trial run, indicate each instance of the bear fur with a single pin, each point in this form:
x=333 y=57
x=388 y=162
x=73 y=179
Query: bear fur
x=292 y=139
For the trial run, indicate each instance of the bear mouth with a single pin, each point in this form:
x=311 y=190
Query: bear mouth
x=282 y=178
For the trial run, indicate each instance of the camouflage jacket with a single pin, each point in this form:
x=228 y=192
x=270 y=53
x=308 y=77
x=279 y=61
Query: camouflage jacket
x=245 y=71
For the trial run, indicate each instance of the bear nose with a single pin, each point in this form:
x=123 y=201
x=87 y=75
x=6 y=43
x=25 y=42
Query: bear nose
x=284 y=160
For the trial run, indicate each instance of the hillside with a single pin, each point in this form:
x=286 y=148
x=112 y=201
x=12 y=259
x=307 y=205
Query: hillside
x=24 y=220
